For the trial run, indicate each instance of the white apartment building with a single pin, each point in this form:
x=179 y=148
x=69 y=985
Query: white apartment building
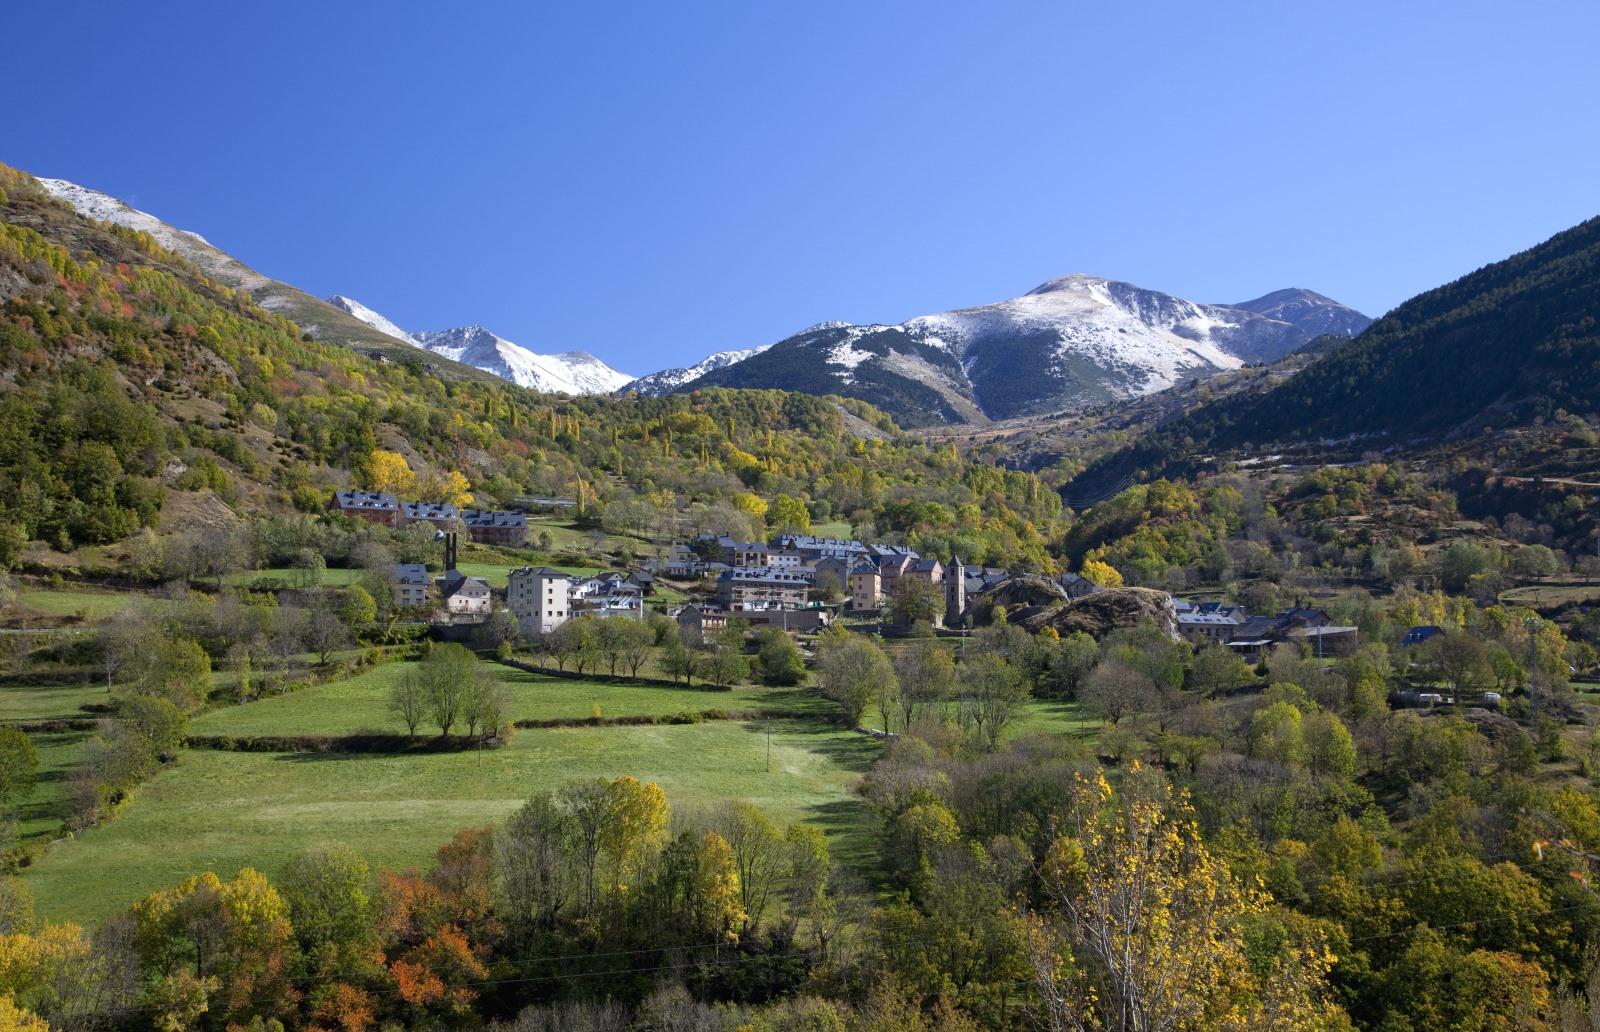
x=539 y=597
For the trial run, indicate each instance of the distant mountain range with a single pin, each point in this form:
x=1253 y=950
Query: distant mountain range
x=669 y=380
x=1070 y=343
x=349 y=322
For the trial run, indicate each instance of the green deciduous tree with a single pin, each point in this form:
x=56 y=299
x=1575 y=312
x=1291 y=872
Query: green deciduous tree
x=915 y=600
x=850 y=670
x=448 y=677
x=19 y=765
x=789 y=515
x=991 y=693
x=781 y=662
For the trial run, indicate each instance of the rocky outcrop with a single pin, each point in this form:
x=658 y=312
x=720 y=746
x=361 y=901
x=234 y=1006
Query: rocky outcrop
x=1103 y=612
x=1021 y=597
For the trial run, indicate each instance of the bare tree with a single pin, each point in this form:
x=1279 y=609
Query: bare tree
x=1114 y=689
x=408 y=700
x=288 y=639
x=991 y=693
x=487 y=702
x=125 y=644
x=326 y=634
x=638 y=641
x=927 y=674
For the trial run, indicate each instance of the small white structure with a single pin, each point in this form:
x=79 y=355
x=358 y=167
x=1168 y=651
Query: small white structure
x=463 y=595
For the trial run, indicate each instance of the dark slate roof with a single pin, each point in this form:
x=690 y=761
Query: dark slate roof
x=809 y=543
x=365 y=500
x=410 y=573
x=429 y=511
x=488 y=518
x=1204 y=620
x=456 y=582
x=714 y=612
x=1258 y=627
x=763 y=575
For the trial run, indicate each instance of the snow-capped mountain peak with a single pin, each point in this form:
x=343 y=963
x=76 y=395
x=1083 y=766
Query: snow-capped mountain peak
x=373 y=319
x=1309 y=310
x=574 y=372
x=1070 y=342
x=668 y=380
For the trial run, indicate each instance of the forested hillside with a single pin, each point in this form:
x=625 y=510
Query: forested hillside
x=1512 y=342
x=1345 y=779
x=130 y=376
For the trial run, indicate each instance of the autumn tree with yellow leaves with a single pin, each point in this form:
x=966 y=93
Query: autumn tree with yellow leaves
x=388 y=471
x=447 y=488
x=1141 y=929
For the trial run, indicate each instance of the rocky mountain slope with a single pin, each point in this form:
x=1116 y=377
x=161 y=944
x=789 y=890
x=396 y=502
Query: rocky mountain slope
x=1317 y=315
x=1509 y=345
x=1067 y=344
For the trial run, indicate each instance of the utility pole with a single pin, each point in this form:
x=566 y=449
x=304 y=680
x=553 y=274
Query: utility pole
x=769 y=746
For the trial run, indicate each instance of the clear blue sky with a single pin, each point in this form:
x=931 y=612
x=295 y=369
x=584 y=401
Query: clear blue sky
x=653 y=182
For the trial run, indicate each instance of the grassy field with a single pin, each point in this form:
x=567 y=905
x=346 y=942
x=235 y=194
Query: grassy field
x=361 y=703
x=222 y=811
x=498 y=573
x=47 y=806
x=1549 y=596
x=567 y=537
x=273 y=577
x=48 y=702
x=1053 y=717
x=63 y=603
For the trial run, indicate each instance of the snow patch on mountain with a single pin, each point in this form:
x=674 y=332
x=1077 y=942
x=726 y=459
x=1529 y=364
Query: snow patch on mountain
x=373 y=319
x=668 y=380
x=574 y=372
x=108 y=209
x=845 y=354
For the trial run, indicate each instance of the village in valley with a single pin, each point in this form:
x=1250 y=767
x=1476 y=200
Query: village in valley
x=798 y=583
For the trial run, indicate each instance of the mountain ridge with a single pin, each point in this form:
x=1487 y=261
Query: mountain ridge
x=1071 y=342
x=1509 y=343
